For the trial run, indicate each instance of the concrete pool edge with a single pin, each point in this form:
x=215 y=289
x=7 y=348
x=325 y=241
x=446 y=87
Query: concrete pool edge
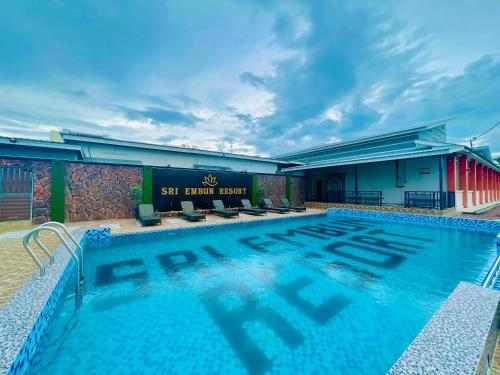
x=103 y=234
x=24 y=319
x=459 y=339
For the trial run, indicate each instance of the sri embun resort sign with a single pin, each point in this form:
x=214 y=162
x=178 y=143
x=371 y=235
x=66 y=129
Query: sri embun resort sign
x=171 y=186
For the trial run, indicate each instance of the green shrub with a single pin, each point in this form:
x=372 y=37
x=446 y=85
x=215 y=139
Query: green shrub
x=137 y=195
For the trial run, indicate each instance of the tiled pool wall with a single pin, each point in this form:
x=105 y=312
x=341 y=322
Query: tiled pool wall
x=457 y=222
x=24 y=320
x=53 y=304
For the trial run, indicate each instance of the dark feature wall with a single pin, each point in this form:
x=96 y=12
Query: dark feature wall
x=170 y=186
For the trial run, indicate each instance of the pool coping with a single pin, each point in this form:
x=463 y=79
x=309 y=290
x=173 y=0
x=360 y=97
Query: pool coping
x=459 y=339
x=98 y=236
x=24 y=318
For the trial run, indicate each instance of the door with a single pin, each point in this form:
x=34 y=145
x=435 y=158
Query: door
x=16 y=193
x=336 y=188
x=319 y=190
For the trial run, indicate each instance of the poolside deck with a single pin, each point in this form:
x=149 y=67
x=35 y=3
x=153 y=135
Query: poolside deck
x=16 y=267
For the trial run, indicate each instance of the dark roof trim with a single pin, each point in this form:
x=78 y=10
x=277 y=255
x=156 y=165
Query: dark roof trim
x=13 y=141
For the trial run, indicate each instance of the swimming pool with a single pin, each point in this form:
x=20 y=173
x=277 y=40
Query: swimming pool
x=308 y=295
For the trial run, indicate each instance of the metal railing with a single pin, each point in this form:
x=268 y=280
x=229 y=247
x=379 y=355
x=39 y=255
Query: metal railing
x=58 y=229
x=424 y=199
x=492 y=276
x=370 y=198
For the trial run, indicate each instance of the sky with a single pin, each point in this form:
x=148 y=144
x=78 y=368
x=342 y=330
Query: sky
x=259 y=77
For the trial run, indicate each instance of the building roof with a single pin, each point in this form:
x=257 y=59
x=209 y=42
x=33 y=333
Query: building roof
x=419 y=151
x=96 y=139
x=366 y=140
x=38 y=143
x=424 y=140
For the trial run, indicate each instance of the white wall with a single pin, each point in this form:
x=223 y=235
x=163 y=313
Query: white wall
x=177 y=159
x=381 y=176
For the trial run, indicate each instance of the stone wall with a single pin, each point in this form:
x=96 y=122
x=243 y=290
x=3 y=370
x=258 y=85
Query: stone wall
x=41 y=185
x=298 y=192
x=96 y=191
x=274 y=187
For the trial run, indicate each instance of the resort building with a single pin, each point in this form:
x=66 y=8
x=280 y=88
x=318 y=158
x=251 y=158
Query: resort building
x=101 y=149
x=188 y=276
x=410 y=168
x=414 y=167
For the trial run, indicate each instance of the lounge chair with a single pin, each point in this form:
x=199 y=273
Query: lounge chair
x=220 y=210
x=286 y=204
x=268 y=205
x=147 y=216
x=247 y=207
x=190 y=213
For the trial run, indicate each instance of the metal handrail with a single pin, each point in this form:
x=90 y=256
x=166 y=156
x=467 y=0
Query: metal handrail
x=50 y=227
x=492 y=276
x=71 y=237
x=32 y=254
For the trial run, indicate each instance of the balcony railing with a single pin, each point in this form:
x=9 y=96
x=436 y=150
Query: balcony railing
x=425 y=199
x=371 y=198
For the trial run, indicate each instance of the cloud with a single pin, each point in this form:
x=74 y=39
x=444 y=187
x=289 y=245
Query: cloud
x=471 y=96
x=252 y=80
x=251 y=76
x=161 y=116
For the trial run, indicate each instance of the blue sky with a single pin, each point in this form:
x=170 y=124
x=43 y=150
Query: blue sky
x=260 y=77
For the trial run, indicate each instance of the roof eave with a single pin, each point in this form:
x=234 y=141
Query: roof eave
x=374 y=160
x=387 y=135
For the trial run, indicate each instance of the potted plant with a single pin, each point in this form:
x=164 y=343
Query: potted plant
x=137 y=196
x=261 y=194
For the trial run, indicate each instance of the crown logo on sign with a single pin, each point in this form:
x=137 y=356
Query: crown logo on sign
x=210 y=181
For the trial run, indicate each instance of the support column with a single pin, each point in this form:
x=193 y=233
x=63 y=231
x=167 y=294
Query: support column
x=356 y=179
x=57 y=191
x=498 y=185
x=255 y=186
x=288 y=188
x=472 y=180
x=487 y=187
x=495 y=187
x=462 y=178
x=147 y=185
x=450 y=181
x=479 y=181
x=490 y=183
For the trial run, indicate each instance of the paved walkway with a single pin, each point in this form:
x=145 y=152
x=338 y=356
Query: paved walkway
x=493 y=214
x=16 y=267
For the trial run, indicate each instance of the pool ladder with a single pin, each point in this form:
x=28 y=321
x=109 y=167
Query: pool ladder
x=492 y=276
x=58 y=229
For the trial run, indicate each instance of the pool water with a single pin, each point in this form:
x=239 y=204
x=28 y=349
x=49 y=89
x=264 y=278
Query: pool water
x=302 y=296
